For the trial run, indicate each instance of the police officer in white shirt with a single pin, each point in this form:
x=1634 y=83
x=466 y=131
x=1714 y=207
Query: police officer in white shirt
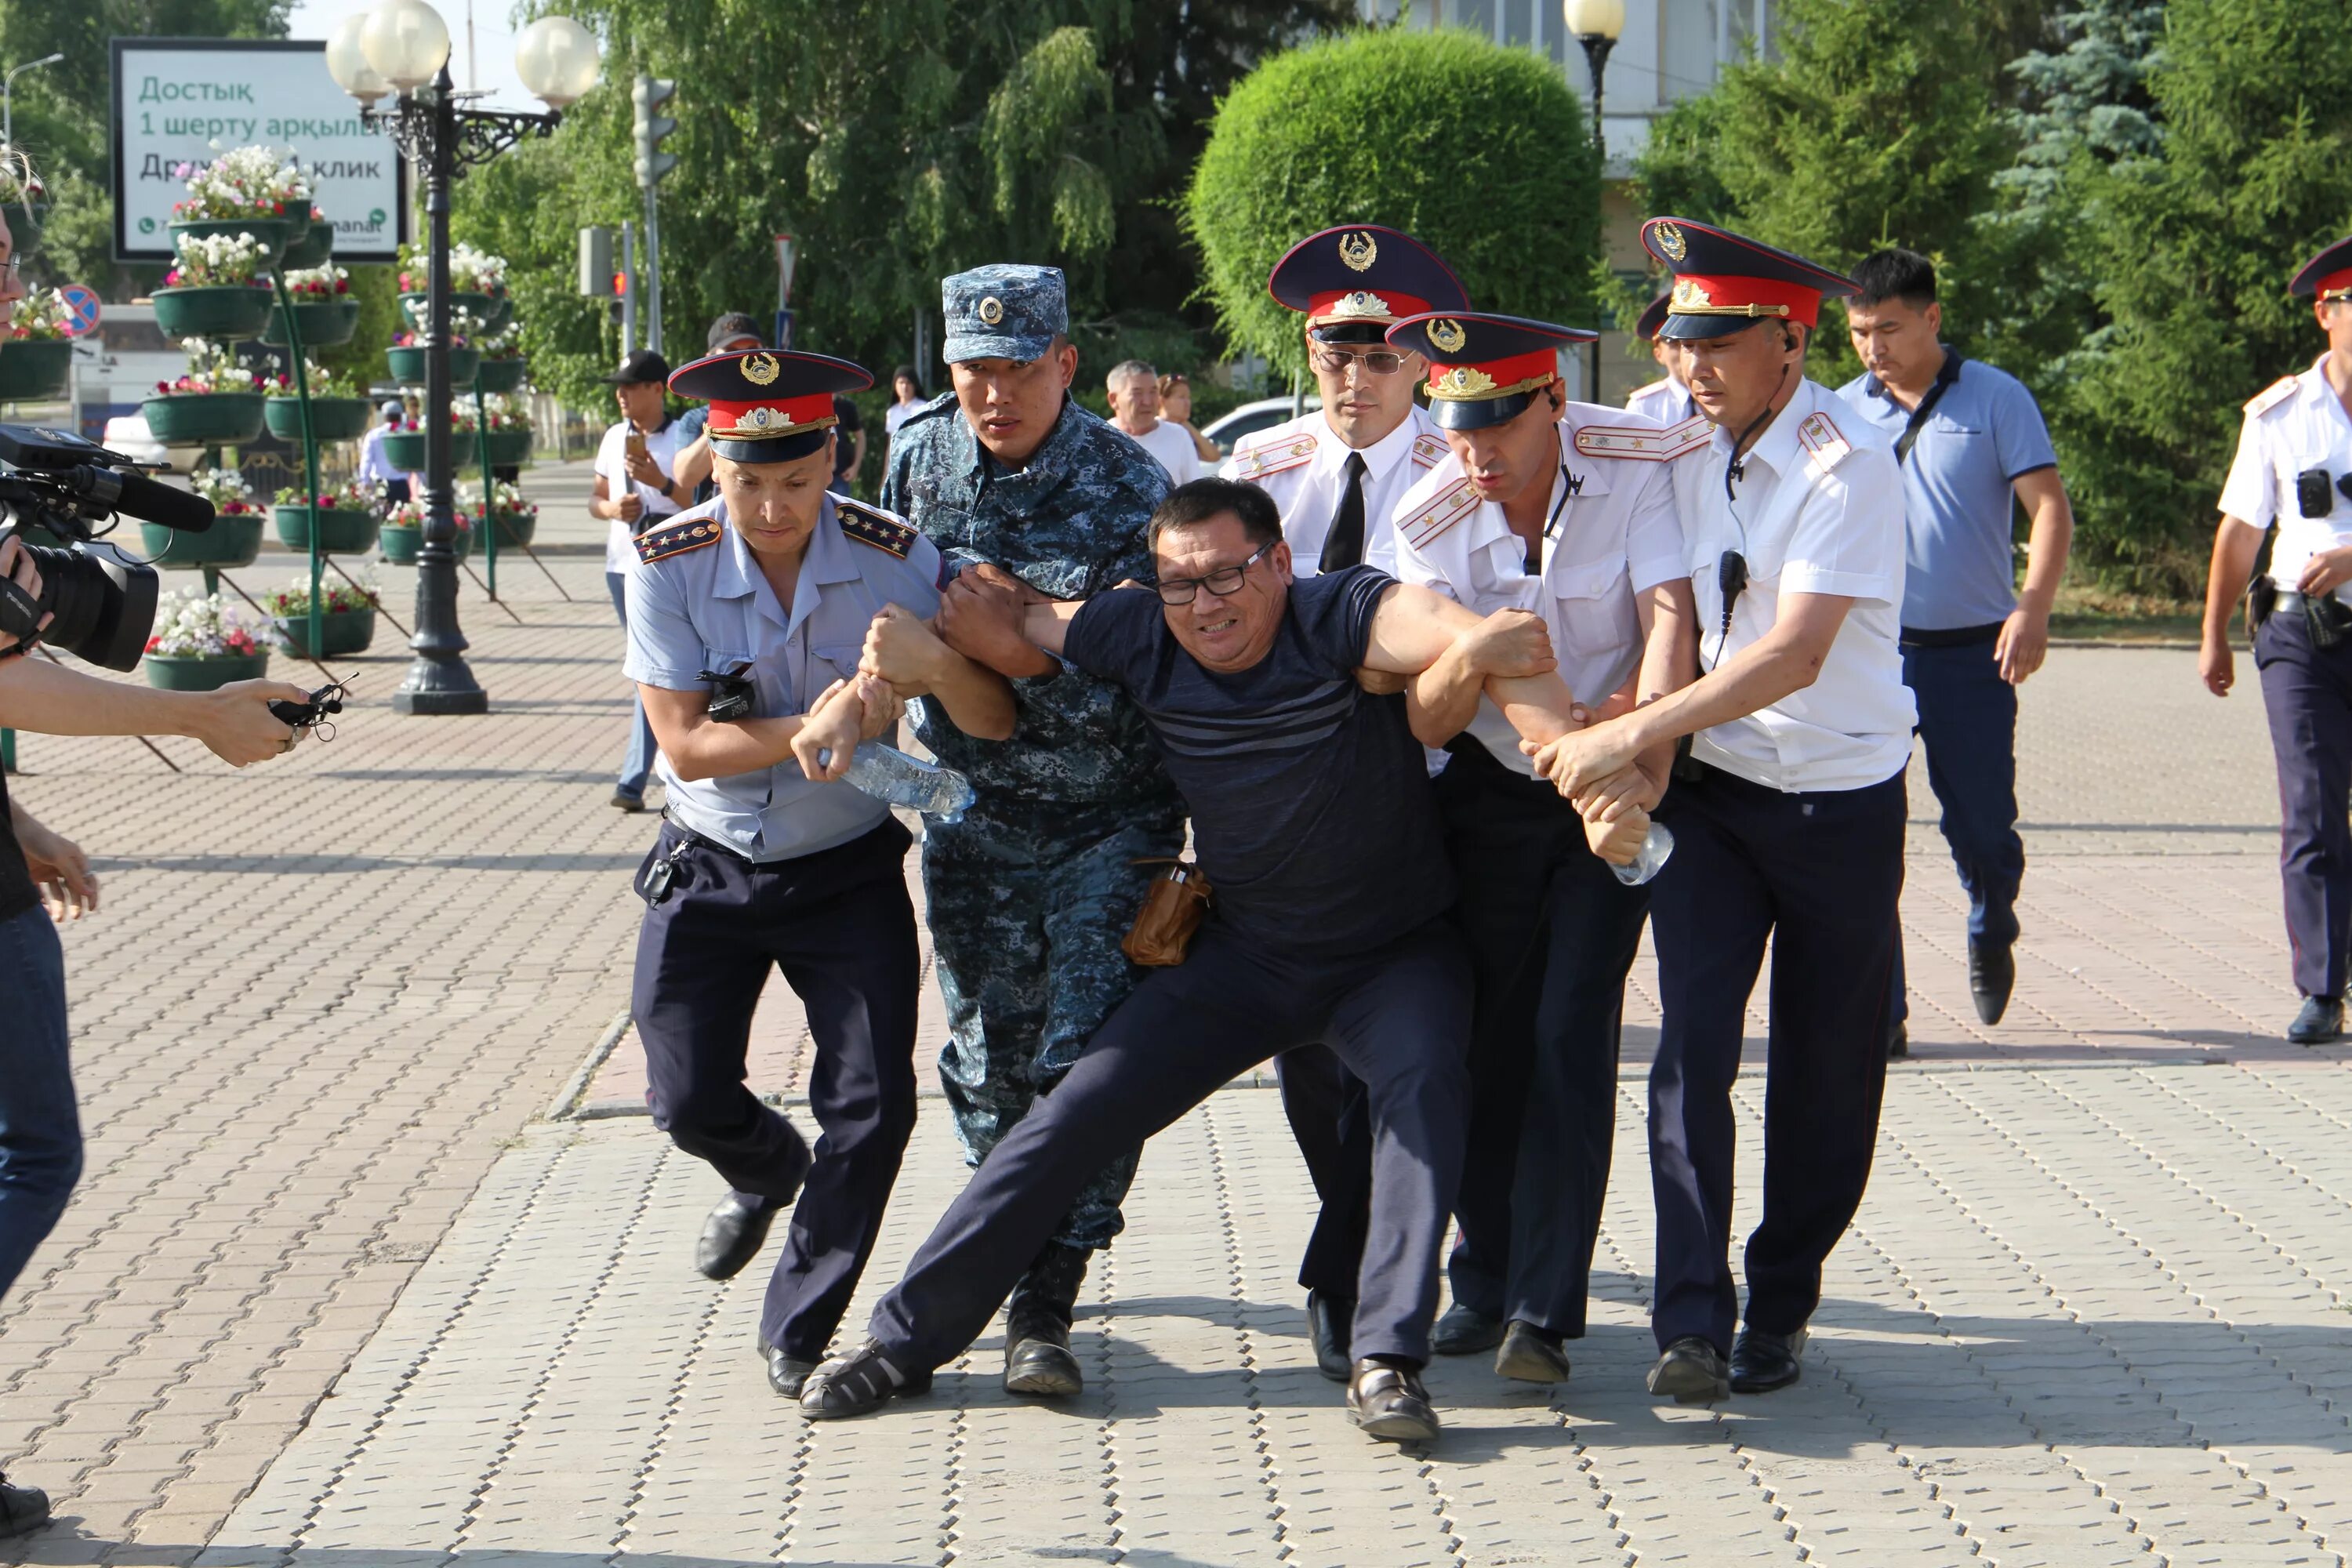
x=1565 y=509
x=636 y=485
x=1789 y=827
x=1666 y=400
x=2293 y=472
x=1336 y=474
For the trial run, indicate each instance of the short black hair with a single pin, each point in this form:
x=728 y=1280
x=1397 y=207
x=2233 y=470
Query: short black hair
x=1205 y=501
x=1895 y=274
x=907 y=373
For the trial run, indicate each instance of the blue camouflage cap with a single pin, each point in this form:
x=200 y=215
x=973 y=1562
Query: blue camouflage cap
x=1007 y=312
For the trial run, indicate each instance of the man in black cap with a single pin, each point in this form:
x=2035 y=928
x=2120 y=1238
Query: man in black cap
x=732 y=333
x=637 y=487
x=1788 y=820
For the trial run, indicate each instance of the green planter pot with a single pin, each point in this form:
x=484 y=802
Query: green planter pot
x=229 y=541
x=315 y=245
x=339 y=631
x=324 y=325
x=516 y=530
x=412 y=307
x=401 y=542
x=508 y=449
x=35 y=372
x=408 y=366
x=169 y=672
x=331 y=418
x=220 y=312
x=205 y=418
x=273 y=232
x=501 y=375
x=341 y=530
x=24 y=225
x=404 y=450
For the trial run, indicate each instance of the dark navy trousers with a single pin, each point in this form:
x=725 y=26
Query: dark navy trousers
x=840 y=926
x=1552 y=935
x=1968 y=722
x=1818 y=874
x=41 y=1132
x=1325 y=1105
x=2307 y=692
x=1397 y=1015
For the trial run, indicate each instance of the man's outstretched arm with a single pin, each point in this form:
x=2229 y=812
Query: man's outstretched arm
x=1451 y=653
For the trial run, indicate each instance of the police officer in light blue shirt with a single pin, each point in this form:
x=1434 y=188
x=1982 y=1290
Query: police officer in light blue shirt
x=1971 y=442
x=748 y=618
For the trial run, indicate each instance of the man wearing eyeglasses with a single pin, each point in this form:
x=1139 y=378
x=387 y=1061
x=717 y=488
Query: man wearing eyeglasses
x=1336 y=474
x=1251 y=686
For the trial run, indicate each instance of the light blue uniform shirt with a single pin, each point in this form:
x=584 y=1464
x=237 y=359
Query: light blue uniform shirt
x=1983 y=435
x=711 y=608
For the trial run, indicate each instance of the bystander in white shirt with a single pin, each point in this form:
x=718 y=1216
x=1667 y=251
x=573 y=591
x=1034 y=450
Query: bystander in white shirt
x=613 y=468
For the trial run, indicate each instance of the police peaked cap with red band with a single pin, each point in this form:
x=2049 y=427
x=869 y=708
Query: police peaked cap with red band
x=1484 y=368
x=1350 y=283
x=1725 y=283
x=2327 y=275
x=768 y=406
x=1653 y=316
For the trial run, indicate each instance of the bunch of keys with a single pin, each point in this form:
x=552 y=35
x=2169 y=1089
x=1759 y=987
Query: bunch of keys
x=312 y=714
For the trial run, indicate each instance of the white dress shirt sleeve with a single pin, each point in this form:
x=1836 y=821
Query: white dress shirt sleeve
x=2250 y=492
x=1847 y=539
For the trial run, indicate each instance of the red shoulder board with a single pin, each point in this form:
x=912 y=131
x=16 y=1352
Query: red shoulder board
x=1274 y=456
x=1426 y=522
x=2273 y=395
x=871 y=525
x=677 y=537
x=1428 y=451
x=1644 y=443
x=1819 y=435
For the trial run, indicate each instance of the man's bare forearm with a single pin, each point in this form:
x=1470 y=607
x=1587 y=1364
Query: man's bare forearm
x=977 y=698
x=2235 y=544
x=51 y=699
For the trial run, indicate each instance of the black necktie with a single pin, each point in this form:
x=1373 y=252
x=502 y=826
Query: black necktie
x=1344 y=545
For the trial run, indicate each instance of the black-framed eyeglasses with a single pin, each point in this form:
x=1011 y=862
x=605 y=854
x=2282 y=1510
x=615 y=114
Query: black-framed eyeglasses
x=1224 y=582
x=1335 y=361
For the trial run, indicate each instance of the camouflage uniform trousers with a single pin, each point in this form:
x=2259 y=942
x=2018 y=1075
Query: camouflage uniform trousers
x=1027 y=908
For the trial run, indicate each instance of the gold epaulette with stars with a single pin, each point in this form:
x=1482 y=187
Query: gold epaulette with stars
x=1278 y=454
x=677 y=537
x=1428 y=451
x=1425 y=523
x=1819 y=435
x=870 y=525
x=1644 y=443
x=2270 y=397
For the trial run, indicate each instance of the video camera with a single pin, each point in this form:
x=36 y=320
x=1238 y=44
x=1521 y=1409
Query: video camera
x=103 y=597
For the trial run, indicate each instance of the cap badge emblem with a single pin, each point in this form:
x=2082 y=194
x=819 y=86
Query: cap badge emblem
x=1671 y=241
x=761 y=368
x=1358 y=251
x=1688 y=295
x=1463 y=381
x=992 y=311
x=760 y=416
x=1445 y=335
x=1362 y=303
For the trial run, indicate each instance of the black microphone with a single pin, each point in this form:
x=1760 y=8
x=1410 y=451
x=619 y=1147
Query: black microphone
x=142 y=498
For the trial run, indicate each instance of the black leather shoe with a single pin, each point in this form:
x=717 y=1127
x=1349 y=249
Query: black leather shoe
x=1531 y=1355
x=1762 y=1361
x=1992 y=975
x=732 y=1236
x=1389 y=1402
x=1331 y=1323
x=1691 y=1373
x=1899 y=1043
x=22 y=1509
x=1465 y=1331
x=858 y=1382
x=1037 y=1358
x=787 y=1376
x=2320 y=1023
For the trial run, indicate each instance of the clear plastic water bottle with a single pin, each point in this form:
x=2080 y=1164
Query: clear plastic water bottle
x=1646 y=863
x=893 y=777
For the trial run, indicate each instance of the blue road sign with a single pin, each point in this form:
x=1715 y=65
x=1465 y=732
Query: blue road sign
x=81 y=302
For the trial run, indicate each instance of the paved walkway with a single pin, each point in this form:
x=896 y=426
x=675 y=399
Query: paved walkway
x=336 y=1288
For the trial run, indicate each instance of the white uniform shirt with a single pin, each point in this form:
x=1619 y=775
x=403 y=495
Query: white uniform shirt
x=1171 y=446
x=613 y=468
x=1666 y=400
x=1303 y=465
x=1613 y=535
x=1819 y=510
x=2296 y=424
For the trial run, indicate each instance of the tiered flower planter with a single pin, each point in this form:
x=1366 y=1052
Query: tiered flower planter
x=172 y=672
x=232 y=541
x=341 y=530
x=34 y=370
x=401 y=542
x=205 y=418
x=339 y=632
x=331 y=418
x=407 y=365
x=323 y=323
x=502 y=375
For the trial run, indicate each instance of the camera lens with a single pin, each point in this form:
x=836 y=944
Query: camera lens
x=102 y=600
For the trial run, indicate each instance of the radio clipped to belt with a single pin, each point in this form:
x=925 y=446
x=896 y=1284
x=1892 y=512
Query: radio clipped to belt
x=1173 y=908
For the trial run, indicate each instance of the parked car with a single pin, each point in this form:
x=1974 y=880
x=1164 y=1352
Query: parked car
x=127 y=434
x=1250 y=419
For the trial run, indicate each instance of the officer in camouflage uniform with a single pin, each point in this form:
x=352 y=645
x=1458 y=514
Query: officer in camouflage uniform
x=1031 y=892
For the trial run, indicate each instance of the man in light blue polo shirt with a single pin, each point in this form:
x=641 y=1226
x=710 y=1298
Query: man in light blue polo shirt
x=1970 y=438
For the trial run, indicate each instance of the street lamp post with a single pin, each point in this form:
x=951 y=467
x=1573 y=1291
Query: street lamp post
x=8 y=96
x=1596 y=25
x=402 y=47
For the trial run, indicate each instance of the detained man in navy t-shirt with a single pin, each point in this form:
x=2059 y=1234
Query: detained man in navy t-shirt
x=1316 y=827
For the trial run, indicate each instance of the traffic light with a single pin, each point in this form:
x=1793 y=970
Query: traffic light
x=651 y=94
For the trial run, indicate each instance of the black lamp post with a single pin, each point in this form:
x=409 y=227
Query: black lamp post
x=402 y=46
x=1596 y=25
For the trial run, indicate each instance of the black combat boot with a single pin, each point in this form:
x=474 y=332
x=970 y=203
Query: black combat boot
x=1037 y=1358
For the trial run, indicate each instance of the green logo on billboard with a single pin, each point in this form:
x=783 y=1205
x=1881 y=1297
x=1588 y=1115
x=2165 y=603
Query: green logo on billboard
x=376 y=218
x=146 y=226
